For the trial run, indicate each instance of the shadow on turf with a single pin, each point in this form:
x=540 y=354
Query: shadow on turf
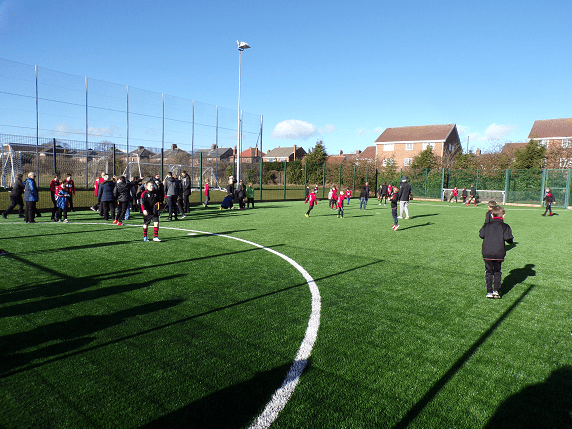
x=420 y=405
x=516 y=276
x=232 y=407
x=413 y=226
x=69 y=335
x=424 y=215
x=542 y=405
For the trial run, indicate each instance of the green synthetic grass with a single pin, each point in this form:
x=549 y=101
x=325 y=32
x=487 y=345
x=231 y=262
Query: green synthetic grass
x=99 y=329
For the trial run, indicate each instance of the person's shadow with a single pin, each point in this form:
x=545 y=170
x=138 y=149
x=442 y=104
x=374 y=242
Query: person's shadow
x=542 y=405
x=516 y=276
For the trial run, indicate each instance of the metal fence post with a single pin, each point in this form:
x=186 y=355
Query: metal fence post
x=354 y=181
x=54 y=163
x=443 y=182
x=506 y=185
x=567 y=190
x=113 y=158
x=323 y=180
x=261 y=171
x=201 y=177
x=284 y=179
x=340 y=178
x=543 y=185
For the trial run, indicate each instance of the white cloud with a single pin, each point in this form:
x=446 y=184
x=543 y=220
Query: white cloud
x=64 y=129
x=492 y=133
x=379 y=130
x=360 y=131
x=294 y=129
x=497 y=132
x=327 y=129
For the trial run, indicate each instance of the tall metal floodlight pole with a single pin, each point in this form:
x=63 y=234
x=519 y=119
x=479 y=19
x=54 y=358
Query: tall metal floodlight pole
x=241 y=47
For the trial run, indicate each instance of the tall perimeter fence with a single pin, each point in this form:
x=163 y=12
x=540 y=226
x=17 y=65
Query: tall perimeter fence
x=86 y=118
x=271 y=180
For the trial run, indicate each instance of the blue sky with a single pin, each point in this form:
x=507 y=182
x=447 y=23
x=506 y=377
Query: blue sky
x=339 y=71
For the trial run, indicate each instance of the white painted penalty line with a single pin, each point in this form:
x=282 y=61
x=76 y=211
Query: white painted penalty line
x=282 y=395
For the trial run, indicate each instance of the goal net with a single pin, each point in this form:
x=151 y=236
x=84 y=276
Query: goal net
x=483 y=195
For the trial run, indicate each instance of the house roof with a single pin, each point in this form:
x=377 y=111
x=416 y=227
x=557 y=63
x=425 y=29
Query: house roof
x=251 y=152
x=282 y=152
x=546 y=128
x=219 y=152
x=142 y=152
x=368 y=153
x=416 y=133
x=509 y=148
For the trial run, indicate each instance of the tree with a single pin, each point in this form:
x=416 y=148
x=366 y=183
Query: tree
x=425 y=160
x=314 y=160
x=465 y=161
x=531 y=156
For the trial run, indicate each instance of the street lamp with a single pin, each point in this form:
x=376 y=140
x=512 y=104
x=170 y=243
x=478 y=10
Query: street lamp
x=241 y=47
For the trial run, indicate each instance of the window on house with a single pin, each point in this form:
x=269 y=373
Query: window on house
x=408 y=146
x=407 y=162
x=384 y=163
x=544 y=142
x=565 y=162
x=566 y=143
x=388 y=147
x=426 y=145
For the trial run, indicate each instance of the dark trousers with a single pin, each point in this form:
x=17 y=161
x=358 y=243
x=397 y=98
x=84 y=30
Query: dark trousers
x=310 y=209
x=548 y=208
x=107 y=207
x=172 y=204
x=249 y=201
x=55 y=207
x=493 y=274
x=453 y=196
x=15 y=201
x=122 y=210
x=186 y=204
x=60 y=211
x=394 y=214
x=70 y=202
x=30 y=211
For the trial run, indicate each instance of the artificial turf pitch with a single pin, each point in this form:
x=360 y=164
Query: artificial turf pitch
x=99 y=329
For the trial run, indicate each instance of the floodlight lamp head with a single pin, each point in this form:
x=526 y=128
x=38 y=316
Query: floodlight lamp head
x=242 y=45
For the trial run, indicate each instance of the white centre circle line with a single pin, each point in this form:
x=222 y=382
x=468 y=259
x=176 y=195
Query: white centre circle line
x=282 y=395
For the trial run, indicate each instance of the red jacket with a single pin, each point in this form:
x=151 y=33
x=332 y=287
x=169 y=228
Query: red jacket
x=341 y=198
x=311 y=198
x=206 y=189
x=53 y=185
x=71 y=186
x=97 y=183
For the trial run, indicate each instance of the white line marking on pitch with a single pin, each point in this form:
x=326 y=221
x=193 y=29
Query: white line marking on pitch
x=283 y=394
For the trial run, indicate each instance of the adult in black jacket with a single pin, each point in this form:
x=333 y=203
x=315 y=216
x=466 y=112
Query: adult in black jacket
x=186 y=185
x=106 y=197
x=122 y=193
x=16 y=197
x=404 y=195
x=241 y=194
x=494 y=235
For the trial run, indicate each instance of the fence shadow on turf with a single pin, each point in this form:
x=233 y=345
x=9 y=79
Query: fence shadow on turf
x=543 y=405
x=516 y=276
x=68 y=335
x=232 y=407
x=420 y=405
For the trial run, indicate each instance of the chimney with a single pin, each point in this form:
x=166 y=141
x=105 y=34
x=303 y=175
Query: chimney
x=478 y=152
x=213 y=147
x=294 y=152
x=140 y=148
x=173 y=146
x=358 y=151
x=341 y=153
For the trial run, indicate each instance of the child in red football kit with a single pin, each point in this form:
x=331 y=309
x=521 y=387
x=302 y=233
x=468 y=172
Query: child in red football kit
x=150 y=209
x=311 y=199
x=341 y=198
x=549 y=198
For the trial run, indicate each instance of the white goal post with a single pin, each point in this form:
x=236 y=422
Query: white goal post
x=484 y=195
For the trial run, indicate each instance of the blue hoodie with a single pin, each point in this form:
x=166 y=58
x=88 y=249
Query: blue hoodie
x=30 y=190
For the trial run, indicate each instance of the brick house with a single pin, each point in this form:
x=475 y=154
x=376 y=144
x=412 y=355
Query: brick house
x=287 y=154
x=405 y=143
x=251 y=155
x=556 y=136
